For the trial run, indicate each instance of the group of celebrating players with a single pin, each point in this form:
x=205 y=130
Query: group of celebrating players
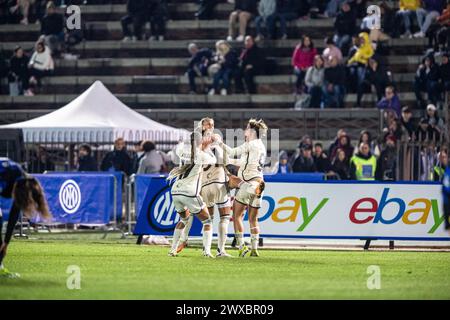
x=202 y=182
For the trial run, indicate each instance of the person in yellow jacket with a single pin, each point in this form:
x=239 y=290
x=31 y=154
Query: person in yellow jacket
x=406 y=13
x=363 y=164
x=358 y=63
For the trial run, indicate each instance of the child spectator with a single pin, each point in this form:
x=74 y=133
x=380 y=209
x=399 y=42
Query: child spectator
x=314 y=80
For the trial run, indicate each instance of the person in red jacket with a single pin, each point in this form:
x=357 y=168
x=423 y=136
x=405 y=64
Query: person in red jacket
x=302 y=59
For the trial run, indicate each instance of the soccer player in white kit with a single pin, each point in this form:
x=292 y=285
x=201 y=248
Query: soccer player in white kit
x=214 y=192
x=186 y=192
x=252 y=158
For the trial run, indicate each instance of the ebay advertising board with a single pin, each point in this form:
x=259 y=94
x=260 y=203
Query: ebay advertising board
x=356 y=210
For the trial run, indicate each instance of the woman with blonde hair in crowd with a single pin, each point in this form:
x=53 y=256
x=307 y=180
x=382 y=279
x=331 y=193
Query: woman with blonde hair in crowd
x=226 y=66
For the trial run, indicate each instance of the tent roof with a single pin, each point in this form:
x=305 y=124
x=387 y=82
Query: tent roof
x=95 y=116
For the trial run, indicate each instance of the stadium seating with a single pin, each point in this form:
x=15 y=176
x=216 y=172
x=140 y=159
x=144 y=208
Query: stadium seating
x=150 y=74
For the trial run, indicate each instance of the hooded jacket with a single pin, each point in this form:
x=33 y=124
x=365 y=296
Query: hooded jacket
x=364 y=52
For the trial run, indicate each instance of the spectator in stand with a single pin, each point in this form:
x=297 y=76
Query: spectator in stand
x=358 y=63
x=251 y=64
x=41 y=161
x=266 y=8
x=345 y=25
x=86 y=162
x=137 y=15
x=344 y=143
x=430 y=11
x=394 y=129
x=390 y=102
x=377 y=78
x=444 y=72
x=321 y=160
x=441 y=165
x=427 y=80
x=366 y=137
x=436 y=126
x=18 y=73
x=228 y=61
x=387 y=162
x=314 y=80
x=157 y=13
x=118 y=159
x=363 y=164
x=407 y=14
x=423 y=131
x=333 y=88
x=284 y=167
x=443 y=32
x=198 y=65
x=302 y=59
x=19 y=8
x=333 y=6
x=40 y=65
x=153 y=161
x=206 y=9
x=286 y=10
x=331 y=51
x=244 y=11
x=407 y=123
x=52 y=28
x=334 y=144
x=305 y=161
x=340 y=165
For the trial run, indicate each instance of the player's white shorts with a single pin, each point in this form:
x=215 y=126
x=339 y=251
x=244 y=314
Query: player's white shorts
x=183 y=203
x=216 y=193
x=246 y=195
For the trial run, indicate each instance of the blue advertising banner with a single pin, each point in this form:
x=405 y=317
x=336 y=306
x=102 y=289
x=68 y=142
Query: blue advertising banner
x=155 y=212
x=119 y=178
x=76 y=198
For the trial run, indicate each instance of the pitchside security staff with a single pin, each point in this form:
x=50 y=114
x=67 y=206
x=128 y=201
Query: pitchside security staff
x=363 y=164
x=28 y=197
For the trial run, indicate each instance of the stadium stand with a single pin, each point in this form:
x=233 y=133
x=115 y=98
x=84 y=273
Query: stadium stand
x=149 y=76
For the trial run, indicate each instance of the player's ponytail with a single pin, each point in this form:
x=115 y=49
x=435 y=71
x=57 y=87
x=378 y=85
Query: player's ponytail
x=182 y=170
x=29 y=197
x=259 y=126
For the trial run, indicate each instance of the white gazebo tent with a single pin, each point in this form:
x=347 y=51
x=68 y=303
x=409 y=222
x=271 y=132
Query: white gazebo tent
x=96 y=116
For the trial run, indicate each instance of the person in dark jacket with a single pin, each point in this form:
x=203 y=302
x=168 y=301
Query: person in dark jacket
x=287 y=10
x=157 y=15
x=321 y=160
x=118 y=159
x=137 y=14
x=198 y=65
x=444 y=72
x=390 y=102
x=305 y=161
x=206 y=9
x=251 y=64
x=41 y=161
x=377 y=77
x=244 y=11
x=52 y=27
x=333 y=87
x=228 y=60
x=407 y=122
x=340 y=165
x=387 y=162
x=86 y=162
x=18 y=70
x=427 y=80
x=345 y=26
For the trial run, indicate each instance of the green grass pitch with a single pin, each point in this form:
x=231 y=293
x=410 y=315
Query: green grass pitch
x=119 y=269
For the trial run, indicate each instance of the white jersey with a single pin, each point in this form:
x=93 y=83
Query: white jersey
x=215 y=173
x=189 y=184
x=252 y=158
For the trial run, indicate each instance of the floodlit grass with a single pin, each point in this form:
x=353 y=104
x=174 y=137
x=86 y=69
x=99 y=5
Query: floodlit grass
x=120 y=269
